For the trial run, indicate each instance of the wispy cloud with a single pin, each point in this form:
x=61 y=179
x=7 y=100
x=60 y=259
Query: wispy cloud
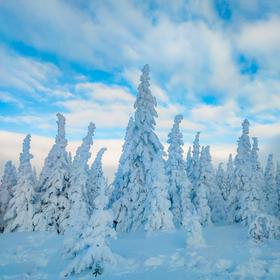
x=216 y=62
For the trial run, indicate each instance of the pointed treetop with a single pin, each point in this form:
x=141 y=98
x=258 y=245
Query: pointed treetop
x=145 y=103
x=60 y=137
x=100 y=154
x=178 y=119
x=245 y=126
x=83 y=154
x=146 y=70
x=25 y=155
x=91 y=129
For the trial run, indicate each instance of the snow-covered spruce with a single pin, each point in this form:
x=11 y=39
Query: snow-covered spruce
x=194 y=232
x=252 y=192
x=229 y=180
x=96 y=179
x=277 y=179
x=264 y=227
x=221 y=181
x=193 y=166
x=20 y=209
x=7 y=189
x=91 y=250
x=242 y=173
x=177 y=177
x=203 y=185
x=144 y=196
x=270 y=190
x=80 y=208
x=52 y=210
x=124 y=168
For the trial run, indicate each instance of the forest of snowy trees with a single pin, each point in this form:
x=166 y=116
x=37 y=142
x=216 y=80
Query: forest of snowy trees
x=151 y=191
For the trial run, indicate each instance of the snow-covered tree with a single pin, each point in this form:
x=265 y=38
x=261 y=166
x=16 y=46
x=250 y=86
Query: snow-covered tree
x=7 y=189
x=221 y=181
x=177 y=176
x=158 y=215
x=20 y=209
x=145 y=194
x=96 y=179
x=242 y=172
x=204 y=183
x=173 y=165
x=189 y=163
x=270 y=190
x=53 y=202
x=229 y=177
x=264 y=227
x=252 y=192
x=124 y=169
x=194 y=233
x=91 y=250
x=277 y=179
x=80 y=209
x=195 y=159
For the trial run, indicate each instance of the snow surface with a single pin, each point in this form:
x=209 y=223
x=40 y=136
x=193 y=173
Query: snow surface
x=228 y=254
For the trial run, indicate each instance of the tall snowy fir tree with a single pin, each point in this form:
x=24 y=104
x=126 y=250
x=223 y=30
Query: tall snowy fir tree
x=195 y=160
x=242 y=172
x=96 y=179
x=20 y=209
x=7 y=189
x=179 y=184
x=53 y=202
x=80 y=208
x=144 y=201
x=221 y=181
x=189 y=163
x=91 y=250
x=229 y=176
x=252 y=192
x=124 y=168
x=270 y=190
x=277 y=179
x=203 y=185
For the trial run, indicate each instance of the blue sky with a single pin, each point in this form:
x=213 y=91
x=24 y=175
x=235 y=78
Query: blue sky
x=216 y=62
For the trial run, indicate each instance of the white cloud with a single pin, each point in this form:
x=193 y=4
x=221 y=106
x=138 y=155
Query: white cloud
x=6 y=97
x=261 y=37
x=25 y=74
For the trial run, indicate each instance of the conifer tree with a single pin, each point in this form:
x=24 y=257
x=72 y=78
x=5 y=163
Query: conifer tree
x=203 y=188
x=178 y=180
x=270 y=190
x=196 y=159
x=221 y=181
x=7 y=189
x=53 y=201
x=124 y=168
x=242 y=172
x=91 y=250
x=252 y=192
x=96 y=179
x=189 y=163
x=20 y=210
x=277 y=179
x=145 y=194
x=80 y=209
x=229 y=176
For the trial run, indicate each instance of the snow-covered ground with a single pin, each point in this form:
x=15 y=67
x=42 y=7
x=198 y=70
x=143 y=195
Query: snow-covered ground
x=227 y=255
